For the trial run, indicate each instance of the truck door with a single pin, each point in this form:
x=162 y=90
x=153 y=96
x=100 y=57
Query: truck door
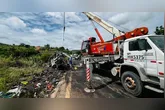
x=150 y=64
x=135 y=55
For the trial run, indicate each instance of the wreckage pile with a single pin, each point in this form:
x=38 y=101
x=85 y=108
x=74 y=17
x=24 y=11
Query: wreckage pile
x=42 y=84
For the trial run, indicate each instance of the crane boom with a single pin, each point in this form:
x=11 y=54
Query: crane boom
x=106 y=48
x=104 y=24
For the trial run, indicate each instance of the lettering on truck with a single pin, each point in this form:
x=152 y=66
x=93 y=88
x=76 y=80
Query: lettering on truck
x=138 y=58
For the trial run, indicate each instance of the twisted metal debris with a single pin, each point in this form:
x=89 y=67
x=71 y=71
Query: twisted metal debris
x=41 y=85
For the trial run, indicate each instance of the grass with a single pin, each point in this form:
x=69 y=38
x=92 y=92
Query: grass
x=12 y=69
x=18 y=60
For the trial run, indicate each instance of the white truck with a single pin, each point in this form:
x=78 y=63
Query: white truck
x=139 y=64
x=143 y=64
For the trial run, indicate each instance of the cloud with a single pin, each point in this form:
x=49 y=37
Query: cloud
x=54 y=14
x=121 y=18
x=4 y=29
x=49 y=27
x=15 y=23
x=38 y=31
x=124 y=18
x=105 y=16
x=70 y=16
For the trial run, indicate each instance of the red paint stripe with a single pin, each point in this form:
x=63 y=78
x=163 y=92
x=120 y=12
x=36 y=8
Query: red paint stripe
x=153 y=61
x=160 y=62
x=88 y=72
x=87 y=69
x=132 y=59
x=161 y=73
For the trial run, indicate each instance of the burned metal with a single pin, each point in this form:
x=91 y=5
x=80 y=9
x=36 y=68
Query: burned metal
x=59 y=60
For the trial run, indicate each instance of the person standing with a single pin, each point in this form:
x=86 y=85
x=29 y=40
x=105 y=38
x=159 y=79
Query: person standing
x=70 y=62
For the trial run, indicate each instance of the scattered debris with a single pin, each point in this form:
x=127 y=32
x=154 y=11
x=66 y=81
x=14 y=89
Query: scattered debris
x=42 y=84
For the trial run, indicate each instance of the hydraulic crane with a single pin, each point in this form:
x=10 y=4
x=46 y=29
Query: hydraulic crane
x=141 y=61
x=137 y=65
x=91 y=47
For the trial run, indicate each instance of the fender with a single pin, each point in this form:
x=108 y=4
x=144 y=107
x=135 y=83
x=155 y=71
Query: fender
x=139 y=68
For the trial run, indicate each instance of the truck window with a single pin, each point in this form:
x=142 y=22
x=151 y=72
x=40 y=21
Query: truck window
x=85 y=43
x=133 y=46
x=142 y=44
x=138 y=45
x=158 y=41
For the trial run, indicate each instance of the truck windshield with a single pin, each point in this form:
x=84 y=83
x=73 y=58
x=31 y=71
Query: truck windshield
x=84 y=46
x=158 y=41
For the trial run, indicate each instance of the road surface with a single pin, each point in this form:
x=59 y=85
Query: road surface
x=74 y=82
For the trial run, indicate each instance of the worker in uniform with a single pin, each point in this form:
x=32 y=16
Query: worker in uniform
x=70 y=62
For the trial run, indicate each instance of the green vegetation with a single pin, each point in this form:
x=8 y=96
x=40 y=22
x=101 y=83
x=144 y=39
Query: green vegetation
x=76 y=52
x=19 y=60
x=159 y=30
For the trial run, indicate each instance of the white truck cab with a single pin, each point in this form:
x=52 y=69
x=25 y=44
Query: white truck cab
x=143 y=64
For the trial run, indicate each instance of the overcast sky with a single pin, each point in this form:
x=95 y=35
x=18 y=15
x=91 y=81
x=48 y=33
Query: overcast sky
x=39 y=29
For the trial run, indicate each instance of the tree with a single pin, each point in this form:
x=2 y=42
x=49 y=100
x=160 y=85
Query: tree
x=61 y=48
x=22 y=44
x=78 y=52
x=47 y=47
x=159 y=30
x=27 y=46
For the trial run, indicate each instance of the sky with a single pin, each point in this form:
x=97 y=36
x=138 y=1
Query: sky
x=41 y=28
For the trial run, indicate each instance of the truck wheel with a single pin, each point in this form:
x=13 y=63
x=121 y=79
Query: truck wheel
x=132 y=83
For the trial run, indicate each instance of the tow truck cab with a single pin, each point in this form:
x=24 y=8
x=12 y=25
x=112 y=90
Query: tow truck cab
x=144 y=55
x=91 y=47
x=85 y=47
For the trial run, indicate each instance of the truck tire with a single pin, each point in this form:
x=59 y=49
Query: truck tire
x=132 y=83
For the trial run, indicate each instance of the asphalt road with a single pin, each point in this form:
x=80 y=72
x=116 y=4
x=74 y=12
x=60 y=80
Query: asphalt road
x=104 y=87
x=75 y=82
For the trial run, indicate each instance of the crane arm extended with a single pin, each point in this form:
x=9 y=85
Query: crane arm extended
x=104 y=24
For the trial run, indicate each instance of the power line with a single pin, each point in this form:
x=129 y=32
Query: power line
x=64 y=27
x=63 y=30
x=119 y=26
